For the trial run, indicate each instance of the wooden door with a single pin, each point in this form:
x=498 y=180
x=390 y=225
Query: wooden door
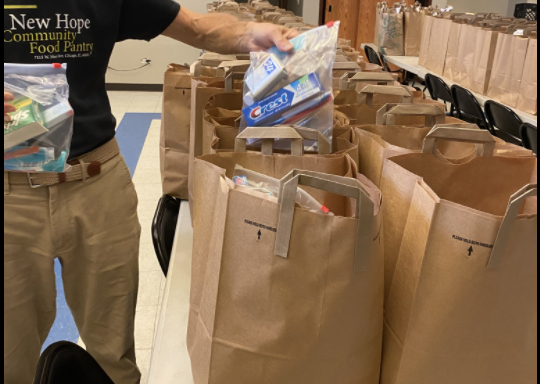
x=345 y=11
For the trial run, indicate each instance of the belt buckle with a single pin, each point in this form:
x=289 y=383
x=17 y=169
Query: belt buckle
x=31 y=182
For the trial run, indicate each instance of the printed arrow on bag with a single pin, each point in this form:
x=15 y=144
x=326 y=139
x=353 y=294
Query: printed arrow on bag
x=259 y=234
x=471 y=251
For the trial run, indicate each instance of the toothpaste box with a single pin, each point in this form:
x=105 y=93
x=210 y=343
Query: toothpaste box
x=275 y=106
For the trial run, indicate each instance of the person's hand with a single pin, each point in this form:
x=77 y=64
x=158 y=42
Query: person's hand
x=8 y=108
x=261 y=37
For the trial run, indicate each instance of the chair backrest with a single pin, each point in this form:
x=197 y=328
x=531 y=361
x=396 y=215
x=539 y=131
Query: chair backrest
x=373 y=56
x=439 y=89
x=385 y=63
x=67 y=363
x=529 y=135
x=505 y=122
x=467 y=103
x=164 y=230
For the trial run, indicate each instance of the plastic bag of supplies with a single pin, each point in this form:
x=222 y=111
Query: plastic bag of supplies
x=37 y=136
x=293 y=88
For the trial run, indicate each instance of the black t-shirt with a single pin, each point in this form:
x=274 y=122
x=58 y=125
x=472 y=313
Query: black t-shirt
x=82 y=33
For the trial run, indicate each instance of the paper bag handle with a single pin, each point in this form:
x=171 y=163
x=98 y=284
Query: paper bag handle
x=367 y=96
x=229 y=80
x=309 y=134
x=433 y=114
x=462 y=135
x=381 y=78
x=343 y=186
x=501 y=244
x=268 y=135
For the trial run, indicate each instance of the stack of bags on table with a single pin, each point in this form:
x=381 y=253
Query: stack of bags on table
x=474 y=50
x=260 y=11
x=187 y=90
x=363 y=96
x=398 y=249
x=399 y=29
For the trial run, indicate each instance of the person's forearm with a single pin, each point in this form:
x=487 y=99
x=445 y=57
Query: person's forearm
x=215 y=32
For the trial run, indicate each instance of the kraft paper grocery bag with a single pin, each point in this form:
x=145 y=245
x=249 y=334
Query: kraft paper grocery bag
x=484 y=57
x=509 y=65
x=462 y=307
x=280 y=305
x=528 y=97
x=422 y=115
x=221 y=108
x=391 y=33
x=438 y=46
x=414 y=28
x=276 y=166
x=376 y=143
x=466 y=52
x=203 y=88
x=219 y=130
x=396 y=219
x=175 y=131
x=451 y=67
x=426 y=40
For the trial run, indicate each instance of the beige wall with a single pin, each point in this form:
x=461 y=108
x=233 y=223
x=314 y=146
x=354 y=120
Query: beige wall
x=161 y=51
x=494 y=6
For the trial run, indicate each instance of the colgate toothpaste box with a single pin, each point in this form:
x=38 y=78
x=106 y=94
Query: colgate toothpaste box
x=275 y=106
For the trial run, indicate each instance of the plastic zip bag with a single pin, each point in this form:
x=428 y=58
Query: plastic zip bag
x=270 y=186
x=293 y=88
x=38 y=136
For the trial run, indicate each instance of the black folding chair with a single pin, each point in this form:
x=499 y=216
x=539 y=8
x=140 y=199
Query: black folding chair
x=67 y=363
x=468 y=108
x=164 y=229
x=529 y=136
x=373 y=56
x=387 y=68
x=505 y=123
x=439 y=90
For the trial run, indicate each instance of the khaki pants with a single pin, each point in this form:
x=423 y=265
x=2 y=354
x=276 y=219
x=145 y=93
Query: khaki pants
x=92 y=227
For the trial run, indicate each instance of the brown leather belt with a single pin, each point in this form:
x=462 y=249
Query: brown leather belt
x=82 y=168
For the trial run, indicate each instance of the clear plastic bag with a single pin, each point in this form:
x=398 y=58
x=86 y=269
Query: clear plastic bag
x=38 y=136
x=293 y=88
x=270 y=186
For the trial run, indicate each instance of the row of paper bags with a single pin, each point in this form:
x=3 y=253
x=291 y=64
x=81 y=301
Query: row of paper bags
x=398 y=29
x=446 y=239
x=490 y=55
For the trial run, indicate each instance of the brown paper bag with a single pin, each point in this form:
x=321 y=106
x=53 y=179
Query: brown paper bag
x=426 y=40
x=175 y=131
x=264 y=265
x=202 y=90
x=219 y=130
x=528 y=97
x=462 y=307
x=413 y=114
x=451 y=66
x=376 y=143
x=414 y=27
x=490 y=148
x=438 y=46
x=466 y=51
x=276 y=166
x=391 y=33
x=484 y=58
x=507 y=76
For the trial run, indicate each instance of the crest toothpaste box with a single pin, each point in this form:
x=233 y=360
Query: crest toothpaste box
x=275 y=106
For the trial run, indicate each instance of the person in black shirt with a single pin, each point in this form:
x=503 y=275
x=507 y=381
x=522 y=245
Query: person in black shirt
x=87 y=217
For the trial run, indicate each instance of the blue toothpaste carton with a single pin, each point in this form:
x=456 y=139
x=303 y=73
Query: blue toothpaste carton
x=275 y=106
